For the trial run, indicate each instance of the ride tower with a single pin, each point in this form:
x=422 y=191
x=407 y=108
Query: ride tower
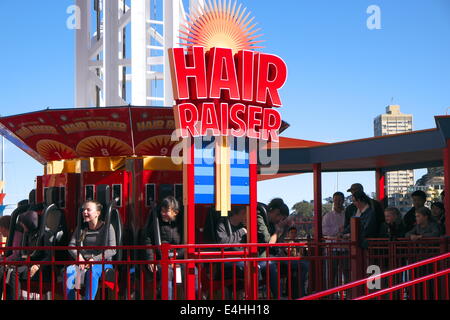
x=121 y=51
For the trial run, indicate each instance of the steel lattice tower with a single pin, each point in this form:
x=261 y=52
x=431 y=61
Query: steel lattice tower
x=121 y=51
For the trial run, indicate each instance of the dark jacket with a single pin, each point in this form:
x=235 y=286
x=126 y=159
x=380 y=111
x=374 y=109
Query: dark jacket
x=392 y=231
x=441 y=223
x=431 y=230
x=227 y=233
x=368 y=226
x=33 y=239
x=265 y=231
x=170 y=232
x=351 y=210
x=410 y=219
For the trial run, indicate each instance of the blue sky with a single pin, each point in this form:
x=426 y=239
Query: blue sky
x=341 y=74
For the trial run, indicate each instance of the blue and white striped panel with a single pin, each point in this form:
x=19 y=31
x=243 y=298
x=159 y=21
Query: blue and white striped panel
x=204 y=171
x=239 y=171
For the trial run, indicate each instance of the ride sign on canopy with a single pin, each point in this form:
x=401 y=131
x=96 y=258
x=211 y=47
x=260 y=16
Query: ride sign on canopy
x=220 y=93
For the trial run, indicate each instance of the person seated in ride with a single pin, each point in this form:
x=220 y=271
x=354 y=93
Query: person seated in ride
x=425 y=226
x=438 y=214
x=232 y=230
x=277 y=211
x=90 y=234
x=171 y=232
x=29 y=223
x=12 y=256
x=393 y=226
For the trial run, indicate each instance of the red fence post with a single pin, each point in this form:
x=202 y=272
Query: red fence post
x=380 y=177
x=165 y=271
x=442 y=265
x=189 y=215
x=317 y=169
x=357 y=264
x=251 y=276
x=446 y=157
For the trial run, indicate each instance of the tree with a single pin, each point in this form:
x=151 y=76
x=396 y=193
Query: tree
x=304 y=209
x=327 y=207
x=329 y=200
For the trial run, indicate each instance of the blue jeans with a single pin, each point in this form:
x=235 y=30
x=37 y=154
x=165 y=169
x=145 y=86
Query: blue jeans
x=95 y=272
x=228 y=270
x=273 y=275
x=298 y=279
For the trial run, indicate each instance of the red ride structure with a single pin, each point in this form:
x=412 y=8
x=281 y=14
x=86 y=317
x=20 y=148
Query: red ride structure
x=130 y=158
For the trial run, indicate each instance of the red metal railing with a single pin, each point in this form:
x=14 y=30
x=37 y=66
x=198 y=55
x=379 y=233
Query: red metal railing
x=232 y=271
x=438 y=289
x=218 y=272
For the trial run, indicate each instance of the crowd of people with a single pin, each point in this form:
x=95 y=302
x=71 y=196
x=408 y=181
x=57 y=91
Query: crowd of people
x=418 y=223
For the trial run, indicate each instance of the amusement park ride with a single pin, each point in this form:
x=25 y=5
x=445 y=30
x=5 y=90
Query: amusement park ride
x=149 y=78
x=126 y=142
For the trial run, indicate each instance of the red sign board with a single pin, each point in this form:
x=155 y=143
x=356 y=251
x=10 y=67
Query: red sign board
x=223 y=94
x=93 y=132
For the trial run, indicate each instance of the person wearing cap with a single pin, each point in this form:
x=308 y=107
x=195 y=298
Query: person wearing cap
x=368 y=224
x=352 y=210
x=29 y=222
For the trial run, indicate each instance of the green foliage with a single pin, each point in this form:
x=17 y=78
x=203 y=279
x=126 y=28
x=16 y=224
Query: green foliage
x=305 y=209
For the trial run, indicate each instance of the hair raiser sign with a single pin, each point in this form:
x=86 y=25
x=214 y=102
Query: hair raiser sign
x=224 y=94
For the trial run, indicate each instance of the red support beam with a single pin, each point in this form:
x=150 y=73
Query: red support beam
x=357 y=261
x=380 y=179
x=317 y=177
x=253 y=179
x=189 y=215
x=317 y=169
x=446 y=157
x=251 y=283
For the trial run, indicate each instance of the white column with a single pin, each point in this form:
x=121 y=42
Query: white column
x=139 y=13
x=194 y=4
x=111 y=82
x=3 y=162
x=171 y=27
x=82 y=45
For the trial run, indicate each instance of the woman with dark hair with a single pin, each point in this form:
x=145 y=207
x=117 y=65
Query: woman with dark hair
x=425 y=226
x=91 y=233
x=164 y=227
x=368 y=223
x=393 y=226
x=4 y=226
x=438 y=214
